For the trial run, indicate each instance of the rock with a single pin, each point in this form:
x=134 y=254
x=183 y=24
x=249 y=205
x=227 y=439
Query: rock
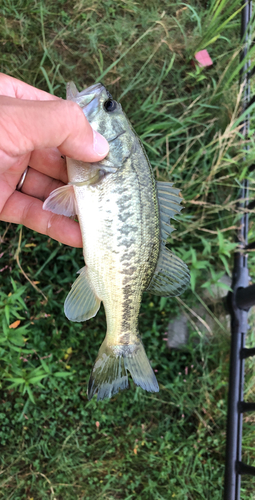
x=205 y=320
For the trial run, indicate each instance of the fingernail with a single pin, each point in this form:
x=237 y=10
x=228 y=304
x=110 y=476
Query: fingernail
x=100 y=144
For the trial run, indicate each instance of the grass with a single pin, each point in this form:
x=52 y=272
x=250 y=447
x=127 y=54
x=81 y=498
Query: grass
x=54 y=443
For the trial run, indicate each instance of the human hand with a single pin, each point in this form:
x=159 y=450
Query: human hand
x=37 y=129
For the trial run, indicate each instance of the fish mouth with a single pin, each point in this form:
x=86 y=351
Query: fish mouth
x=95 y=90
x=87 y=95
x=108 y=94
x=91 y=100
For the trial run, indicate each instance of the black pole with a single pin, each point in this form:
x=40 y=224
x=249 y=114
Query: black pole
x=239 y=316
x=245 y=297
x=235 y=395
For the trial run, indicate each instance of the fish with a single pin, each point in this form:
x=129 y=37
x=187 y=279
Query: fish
x=124 y=216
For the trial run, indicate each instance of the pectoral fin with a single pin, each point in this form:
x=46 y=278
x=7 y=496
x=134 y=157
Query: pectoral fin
x=61 y=201
x=81 y=303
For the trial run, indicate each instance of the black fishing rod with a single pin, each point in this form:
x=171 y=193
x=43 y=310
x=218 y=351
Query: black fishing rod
x=241 y=299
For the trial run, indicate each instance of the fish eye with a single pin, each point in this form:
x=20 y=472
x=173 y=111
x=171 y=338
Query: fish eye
x=110 y=105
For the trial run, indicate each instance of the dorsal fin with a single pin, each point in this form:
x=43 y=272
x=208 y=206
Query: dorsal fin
x=169 y=205
x=171 y=276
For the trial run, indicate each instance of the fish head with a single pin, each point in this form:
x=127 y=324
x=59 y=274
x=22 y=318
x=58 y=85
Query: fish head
x=106 y=116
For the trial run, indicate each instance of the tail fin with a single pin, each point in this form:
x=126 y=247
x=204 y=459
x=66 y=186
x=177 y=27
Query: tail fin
x=109 y=374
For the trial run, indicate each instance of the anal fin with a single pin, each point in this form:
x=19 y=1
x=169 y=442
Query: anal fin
x=81 y=303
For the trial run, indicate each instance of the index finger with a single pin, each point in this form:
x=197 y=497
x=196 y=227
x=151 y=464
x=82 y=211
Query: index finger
x=12 y=87
x=29 y=125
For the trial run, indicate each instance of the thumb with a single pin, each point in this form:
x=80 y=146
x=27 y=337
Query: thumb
x=28 y=125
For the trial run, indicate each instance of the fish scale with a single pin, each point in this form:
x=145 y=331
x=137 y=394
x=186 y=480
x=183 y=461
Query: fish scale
x=118 y=276
x=124 y=216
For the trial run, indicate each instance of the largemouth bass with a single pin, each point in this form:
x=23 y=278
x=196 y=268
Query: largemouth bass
x=124 y=216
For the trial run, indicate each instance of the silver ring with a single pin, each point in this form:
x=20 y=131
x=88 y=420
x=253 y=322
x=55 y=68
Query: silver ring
x=22 y=180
